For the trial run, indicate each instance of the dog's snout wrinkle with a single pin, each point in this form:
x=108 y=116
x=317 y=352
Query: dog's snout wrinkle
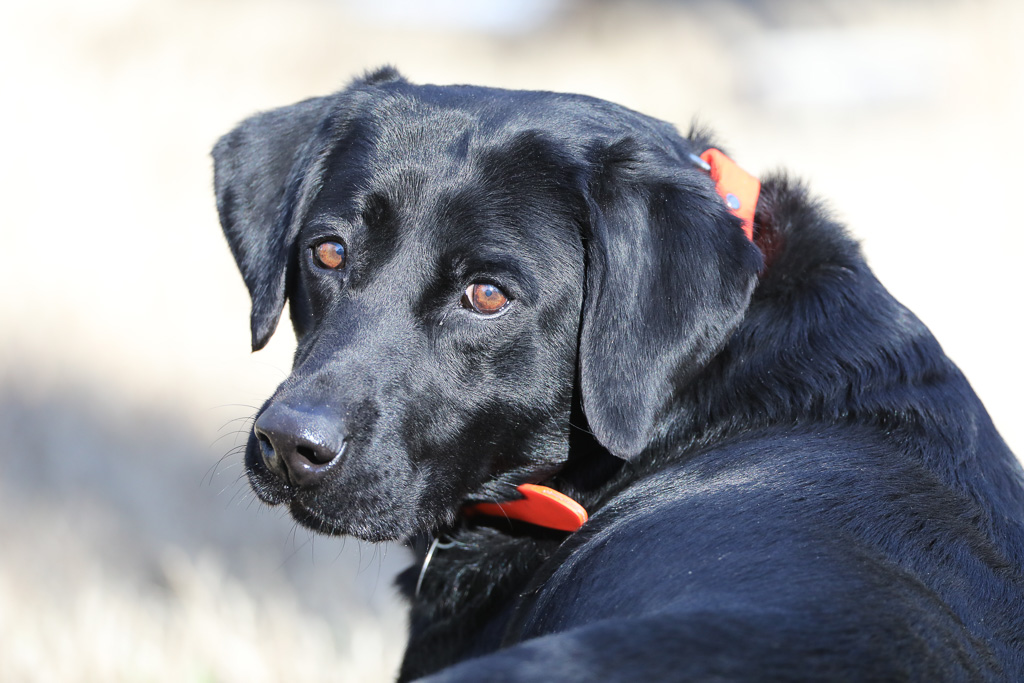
x=299 y=445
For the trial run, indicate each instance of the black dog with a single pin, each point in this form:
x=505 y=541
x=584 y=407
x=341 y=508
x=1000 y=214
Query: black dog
x=785 y=476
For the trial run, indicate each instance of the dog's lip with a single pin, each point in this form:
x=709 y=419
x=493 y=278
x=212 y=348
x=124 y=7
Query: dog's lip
x=308 y=517
x=316 y=522
x=268 y=488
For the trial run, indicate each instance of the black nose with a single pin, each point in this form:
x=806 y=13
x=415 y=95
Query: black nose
x=299 y=444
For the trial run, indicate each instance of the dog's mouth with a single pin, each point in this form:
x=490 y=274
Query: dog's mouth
x=311 y=518
x=343 y=504
x=379 y=499
x=372 y=528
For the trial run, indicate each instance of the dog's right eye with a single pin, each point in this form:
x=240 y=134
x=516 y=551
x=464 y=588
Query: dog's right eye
x=329 y=254
x=484 y=298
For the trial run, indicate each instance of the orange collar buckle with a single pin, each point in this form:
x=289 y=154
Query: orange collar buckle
x=540 y=505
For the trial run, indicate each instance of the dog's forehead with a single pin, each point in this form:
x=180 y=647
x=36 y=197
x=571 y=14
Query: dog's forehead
x=408 y=132
x=462 y=171
x=454 y=137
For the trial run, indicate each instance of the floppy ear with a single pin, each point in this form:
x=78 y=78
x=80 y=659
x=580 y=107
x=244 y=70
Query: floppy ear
x=258 y=168
x=669 y=276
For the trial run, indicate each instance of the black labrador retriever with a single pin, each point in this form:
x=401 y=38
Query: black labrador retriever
x=785 y=477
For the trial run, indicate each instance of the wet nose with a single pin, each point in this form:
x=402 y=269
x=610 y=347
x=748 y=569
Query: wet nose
x=299 y=444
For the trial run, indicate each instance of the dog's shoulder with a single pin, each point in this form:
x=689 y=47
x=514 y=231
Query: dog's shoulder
x=783 y=528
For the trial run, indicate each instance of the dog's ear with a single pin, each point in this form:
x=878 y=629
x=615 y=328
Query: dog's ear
x=669 y=276
x=258 y=169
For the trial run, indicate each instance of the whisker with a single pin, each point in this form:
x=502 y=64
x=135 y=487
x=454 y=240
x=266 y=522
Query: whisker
x=214 y=468
x=582 y=429
x=233 y=405
x=236 y=419
x=233 y=433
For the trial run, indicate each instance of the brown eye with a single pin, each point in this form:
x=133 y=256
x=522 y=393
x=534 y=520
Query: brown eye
x=330 y=254
x=484 y=298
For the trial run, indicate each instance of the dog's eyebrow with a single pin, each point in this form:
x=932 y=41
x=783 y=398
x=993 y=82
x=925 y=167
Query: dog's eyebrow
x=326 y=224
x=382 y=237
x=502 y=265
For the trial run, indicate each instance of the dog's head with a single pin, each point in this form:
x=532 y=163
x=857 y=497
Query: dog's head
x=461 y=264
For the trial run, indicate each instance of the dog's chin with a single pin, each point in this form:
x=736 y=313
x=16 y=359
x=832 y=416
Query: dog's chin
x=348 y=516
x=374 y=531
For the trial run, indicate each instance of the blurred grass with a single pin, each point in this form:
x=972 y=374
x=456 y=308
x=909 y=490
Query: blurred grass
x=128 y=552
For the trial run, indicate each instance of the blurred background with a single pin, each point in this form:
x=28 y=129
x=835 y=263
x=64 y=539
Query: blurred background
x=129 y=547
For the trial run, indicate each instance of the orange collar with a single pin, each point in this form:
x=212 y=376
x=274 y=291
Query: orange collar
x=539 y=505
x=738 y=188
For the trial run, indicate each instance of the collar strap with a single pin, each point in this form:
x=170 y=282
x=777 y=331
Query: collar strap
x=738 y=188
x=539 y=505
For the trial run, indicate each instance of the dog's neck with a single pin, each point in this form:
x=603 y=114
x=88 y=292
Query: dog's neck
x=493 y=560
x=457 y=611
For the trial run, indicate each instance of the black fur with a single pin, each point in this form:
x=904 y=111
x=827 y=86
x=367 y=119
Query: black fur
x=787 y=479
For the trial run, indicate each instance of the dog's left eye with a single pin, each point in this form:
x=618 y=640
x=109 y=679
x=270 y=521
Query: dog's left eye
x=329 y=254
x=484 y=298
